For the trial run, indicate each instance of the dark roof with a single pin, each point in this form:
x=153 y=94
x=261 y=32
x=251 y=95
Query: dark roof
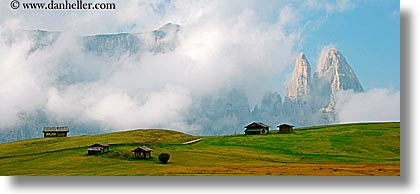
x=94 y=149
x=142 y=148
x=254 y=129
x=256 y=124
x=55 y=129
x=99 y=145
x=284 y=124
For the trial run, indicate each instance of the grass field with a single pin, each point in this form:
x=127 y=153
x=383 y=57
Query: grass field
x=349 y=149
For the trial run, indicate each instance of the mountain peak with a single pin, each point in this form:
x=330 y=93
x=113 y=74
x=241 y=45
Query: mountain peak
x=169 y=27
x=333 y=67
x=301 y=55
x=333 y=50
x=330 y=57
x=298 y=87
x=301 y=61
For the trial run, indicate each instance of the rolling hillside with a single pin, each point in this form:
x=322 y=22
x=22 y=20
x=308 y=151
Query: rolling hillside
x=349 y=149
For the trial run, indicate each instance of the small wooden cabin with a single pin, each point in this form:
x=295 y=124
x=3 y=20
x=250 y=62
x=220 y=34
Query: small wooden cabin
x=142 y=152
x=55 y=131
x=98 y=148
x=257 y=128
x=285 y=128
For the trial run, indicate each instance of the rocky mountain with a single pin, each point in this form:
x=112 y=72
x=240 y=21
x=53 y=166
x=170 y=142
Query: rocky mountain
x=298 y=88
x=96 y=50
x=39 y=38
x=224 y=113
x=332 y=75
x=307 y=101
x=311 y=101
x=297 y=103
x=161 y=40
x=113 y=45
x=164 y=39
x=270 y=110
x=334 y=72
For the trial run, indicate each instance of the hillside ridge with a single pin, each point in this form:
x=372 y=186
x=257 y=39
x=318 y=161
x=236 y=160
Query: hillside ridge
x=344 y=149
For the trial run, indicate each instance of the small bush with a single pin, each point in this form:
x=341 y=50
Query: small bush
x=164 y=157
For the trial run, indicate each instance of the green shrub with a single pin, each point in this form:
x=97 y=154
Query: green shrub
x=164 y=157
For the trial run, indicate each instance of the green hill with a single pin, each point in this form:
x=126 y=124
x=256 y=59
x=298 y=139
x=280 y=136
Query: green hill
x=348 y=149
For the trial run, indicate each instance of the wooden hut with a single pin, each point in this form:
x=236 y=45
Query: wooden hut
x=55 y=131
x=142 y=152
x=285 y=128
x=257 y=128
x=98 y=148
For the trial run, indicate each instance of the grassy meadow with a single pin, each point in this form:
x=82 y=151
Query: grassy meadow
x=347 y=149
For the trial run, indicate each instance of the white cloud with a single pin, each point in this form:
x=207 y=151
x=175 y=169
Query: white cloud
x=222 y=44
x=329 y=6
x=217 y=49
x=373 y=105
x=122 y=111
x=288 y=15
x=20 y=86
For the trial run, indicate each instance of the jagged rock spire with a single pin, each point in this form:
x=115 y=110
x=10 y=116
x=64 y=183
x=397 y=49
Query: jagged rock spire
x=298 y=87
x=333 y=74
x=334 y=69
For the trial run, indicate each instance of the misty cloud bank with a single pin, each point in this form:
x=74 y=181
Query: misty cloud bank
x=373 y=105
x=140 y=91
x=221 y=45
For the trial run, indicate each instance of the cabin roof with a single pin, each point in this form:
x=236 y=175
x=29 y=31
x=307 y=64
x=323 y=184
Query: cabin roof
x=142 y=148
x=55 y=129
x=94 y=149
x=284 y=124
x=254 y=129
x=256 y=124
